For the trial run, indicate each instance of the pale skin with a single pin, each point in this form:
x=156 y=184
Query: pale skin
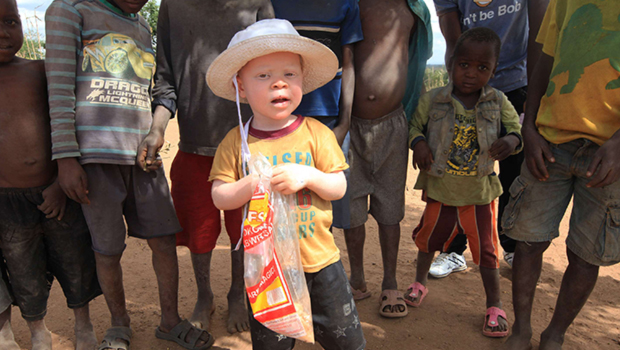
x=580 y=277
x=381 y=61
x=272 y=85
x=26 y=157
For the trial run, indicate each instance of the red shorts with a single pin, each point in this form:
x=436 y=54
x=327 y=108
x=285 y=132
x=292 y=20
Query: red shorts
x=440 y=223
x=199 y=218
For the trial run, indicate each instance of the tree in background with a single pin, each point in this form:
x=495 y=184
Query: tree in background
x=150 y=12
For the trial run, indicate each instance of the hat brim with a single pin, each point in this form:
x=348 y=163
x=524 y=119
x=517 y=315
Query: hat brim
x=319 y=63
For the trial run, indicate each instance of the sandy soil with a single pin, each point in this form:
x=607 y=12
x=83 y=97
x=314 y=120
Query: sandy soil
x=451 y=317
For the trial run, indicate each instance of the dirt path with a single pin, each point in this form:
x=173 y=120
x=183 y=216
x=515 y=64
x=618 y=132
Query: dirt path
x=451 y=317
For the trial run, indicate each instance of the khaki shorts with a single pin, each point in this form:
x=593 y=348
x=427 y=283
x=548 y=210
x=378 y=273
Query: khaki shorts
x=378 y=161
x=536 y=208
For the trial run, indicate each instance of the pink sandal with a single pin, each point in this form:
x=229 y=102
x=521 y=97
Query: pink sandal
x=417 y=290
x=490 y=321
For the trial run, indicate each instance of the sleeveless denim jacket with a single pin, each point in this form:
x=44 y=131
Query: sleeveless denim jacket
x=441 y=122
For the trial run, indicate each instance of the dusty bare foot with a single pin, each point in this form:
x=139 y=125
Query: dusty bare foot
x=7 y=340
x=237 y=313
x=518 y=341
x=85 y=338
x=201 y=317
x=550 y=342
x=39 y=334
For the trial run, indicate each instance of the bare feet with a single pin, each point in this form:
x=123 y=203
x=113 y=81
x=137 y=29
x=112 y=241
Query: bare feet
x=85 y=338
x=201 y=317
x=39 y=334
x=7 y=340
x=237 y=313
x=550 y=342
x=518 y=341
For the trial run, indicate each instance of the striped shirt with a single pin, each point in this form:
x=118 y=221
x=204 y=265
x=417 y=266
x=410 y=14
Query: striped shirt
x=99 y=65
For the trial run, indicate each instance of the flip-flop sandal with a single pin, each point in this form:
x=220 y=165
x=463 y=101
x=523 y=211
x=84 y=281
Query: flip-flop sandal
x=392 y=297
x=179 y=333
x=490 y=321
x=417 y=291
x=111 y=339
x=359 y=295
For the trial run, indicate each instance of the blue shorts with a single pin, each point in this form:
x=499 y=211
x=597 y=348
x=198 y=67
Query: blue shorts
x=334 y=315
x=536 y=208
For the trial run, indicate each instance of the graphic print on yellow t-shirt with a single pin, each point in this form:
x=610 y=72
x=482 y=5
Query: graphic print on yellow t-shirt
x=582 y=97
x=463 y=156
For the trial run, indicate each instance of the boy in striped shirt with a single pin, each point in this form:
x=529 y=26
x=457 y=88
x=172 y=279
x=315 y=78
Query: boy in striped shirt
x=99 y=67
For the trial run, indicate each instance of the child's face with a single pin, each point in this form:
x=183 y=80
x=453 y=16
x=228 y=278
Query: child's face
x=11 y=36
x=473 y=67
x=130 y=6
x=272 y=85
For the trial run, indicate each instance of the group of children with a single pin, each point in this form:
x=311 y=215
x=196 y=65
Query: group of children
x=94 y=137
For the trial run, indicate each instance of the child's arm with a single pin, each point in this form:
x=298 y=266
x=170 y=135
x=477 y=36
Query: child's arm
x=422 y=154
x=54 y=201
x=290 y=178
x=605 y=165
x=511 y=143
x=451 y=29
x=233 y=195
x=62 y=28
x=346 y=95
x=152 y=143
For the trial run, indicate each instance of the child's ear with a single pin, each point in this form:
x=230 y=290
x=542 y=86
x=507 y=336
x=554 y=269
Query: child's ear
x=241 y=89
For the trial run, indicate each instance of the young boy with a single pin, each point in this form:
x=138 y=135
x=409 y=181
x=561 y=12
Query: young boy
x=187 y=44
x=273 y=66
x=517 y=23
x=378 y=155
x=40 y=230
x=99 y=65
x=572 y=133
x=457 y=134
x=336 y=24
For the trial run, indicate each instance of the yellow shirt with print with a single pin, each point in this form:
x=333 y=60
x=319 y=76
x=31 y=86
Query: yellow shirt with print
x=583 y=95
x=312 y=144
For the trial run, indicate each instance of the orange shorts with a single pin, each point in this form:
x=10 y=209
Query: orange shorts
x=440 y=223
x=198 y=216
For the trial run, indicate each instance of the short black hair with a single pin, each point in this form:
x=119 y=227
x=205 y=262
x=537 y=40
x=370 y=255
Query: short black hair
x=479 y=35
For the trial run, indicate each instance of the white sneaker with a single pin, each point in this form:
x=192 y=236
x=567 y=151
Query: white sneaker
x=508 y=258
x=446 y=263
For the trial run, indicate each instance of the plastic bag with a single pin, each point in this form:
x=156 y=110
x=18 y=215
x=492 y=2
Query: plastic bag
x=274 y=276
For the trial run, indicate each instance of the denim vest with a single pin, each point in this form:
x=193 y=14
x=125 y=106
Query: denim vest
x=441 y=122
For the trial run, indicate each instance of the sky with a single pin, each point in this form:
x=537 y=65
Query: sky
x=33 y=12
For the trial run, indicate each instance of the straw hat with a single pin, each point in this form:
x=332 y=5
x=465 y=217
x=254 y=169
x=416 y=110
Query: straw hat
x=319 y=63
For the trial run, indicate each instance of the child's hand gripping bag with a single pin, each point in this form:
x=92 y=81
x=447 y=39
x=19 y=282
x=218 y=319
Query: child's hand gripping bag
x=274 y=276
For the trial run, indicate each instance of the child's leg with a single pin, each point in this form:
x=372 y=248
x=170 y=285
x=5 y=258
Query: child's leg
x=437 y=228
x=237 y=313
x=355 y=238
x=7 y=340
x=40 y=336
x=577 y=284
x=85 y=338
x=389 y=239
x=490 y=280
x=204 y=301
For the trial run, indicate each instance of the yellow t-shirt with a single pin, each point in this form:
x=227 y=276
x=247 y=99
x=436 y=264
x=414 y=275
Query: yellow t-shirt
x=308 y=142
x=583 y=95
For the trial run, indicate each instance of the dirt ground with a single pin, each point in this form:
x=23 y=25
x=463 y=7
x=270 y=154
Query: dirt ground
x=451 y=317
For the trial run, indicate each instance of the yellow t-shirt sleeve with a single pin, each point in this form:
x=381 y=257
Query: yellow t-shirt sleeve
x=329 y=157
x=549 y=30
x=226 y=162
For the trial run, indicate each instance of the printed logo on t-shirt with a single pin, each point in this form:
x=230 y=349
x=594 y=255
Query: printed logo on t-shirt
x=118 y=55
x=305 y=212
x=483 y=3
x=463 y=154
x=490 y=13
